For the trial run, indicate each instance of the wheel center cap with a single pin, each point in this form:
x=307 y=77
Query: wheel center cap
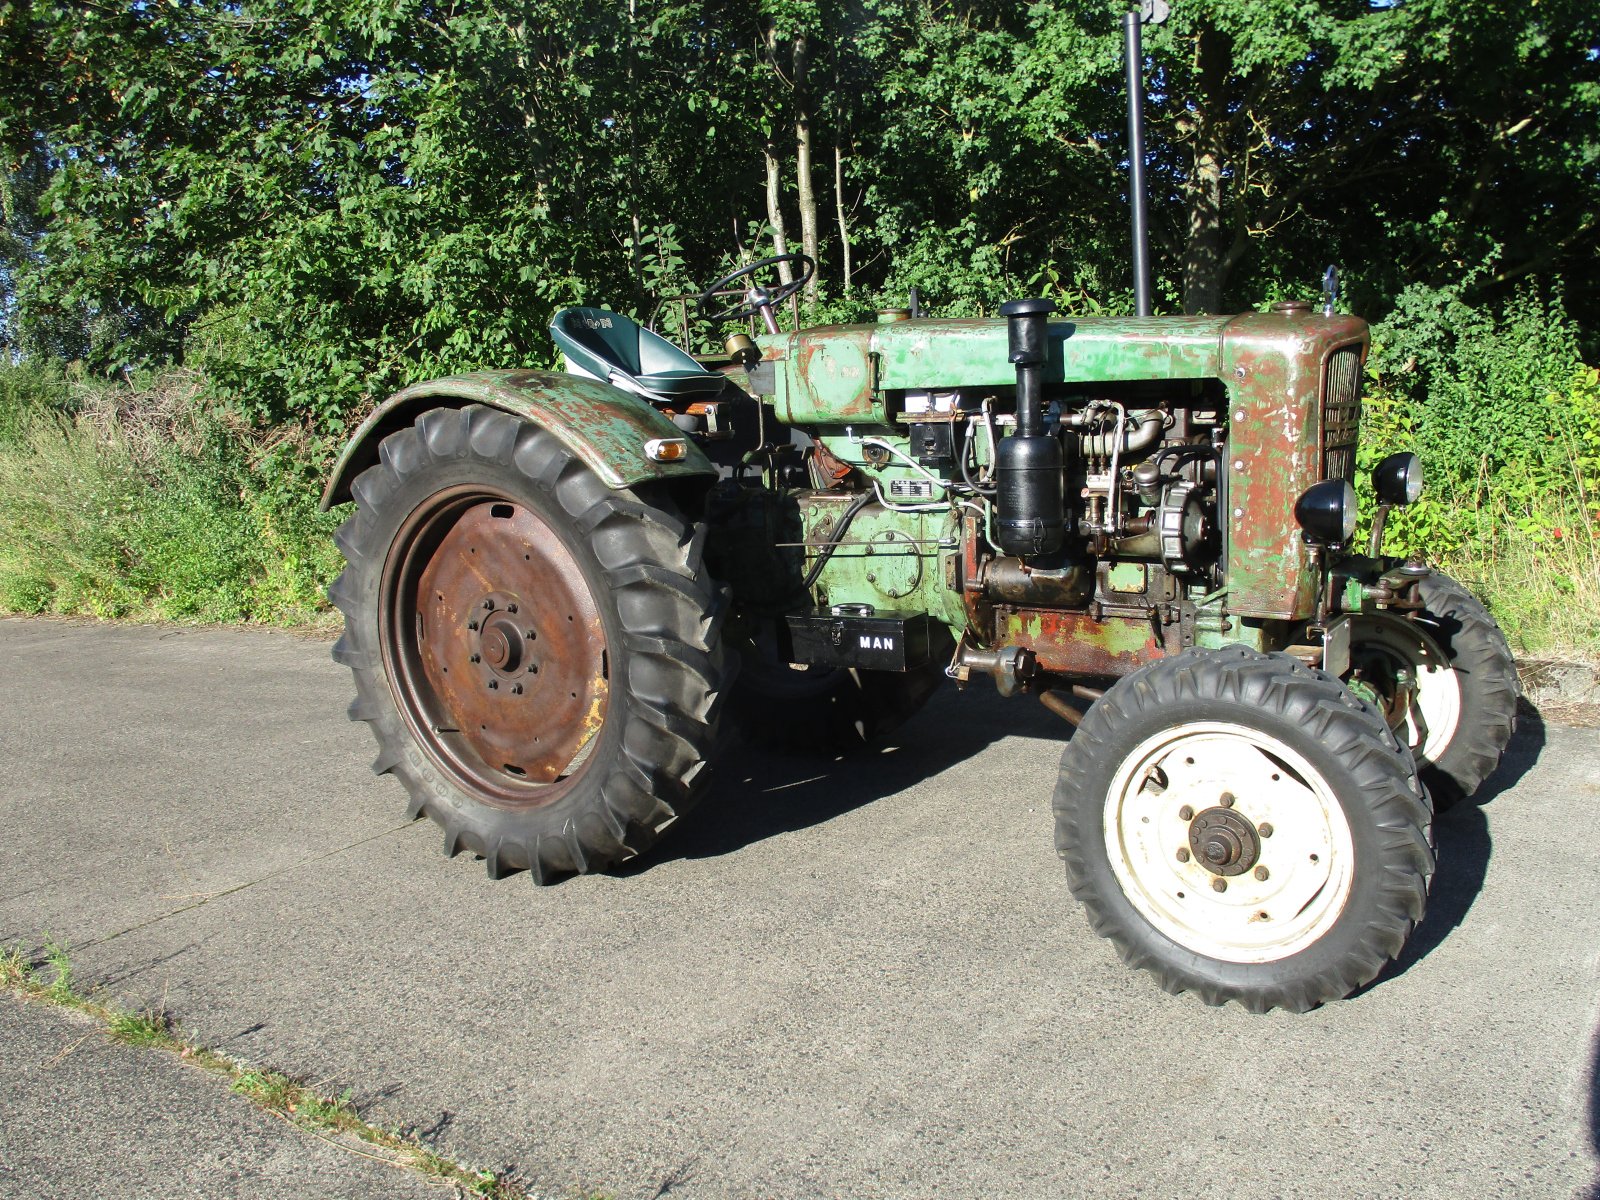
x=495 y=648
x=1225 y=842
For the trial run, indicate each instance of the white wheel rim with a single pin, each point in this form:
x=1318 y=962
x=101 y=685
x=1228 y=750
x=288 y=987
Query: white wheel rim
x=1307 y=856
x=1434 y=714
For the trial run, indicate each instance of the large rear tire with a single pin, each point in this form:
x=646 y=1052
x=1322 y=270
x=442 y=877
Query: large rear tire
x=539 y=656
x=1243 y=827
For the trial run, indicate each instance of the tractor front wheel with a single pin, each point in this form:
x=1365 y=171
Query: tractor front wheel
x=1243 y=827
x=1446 y=681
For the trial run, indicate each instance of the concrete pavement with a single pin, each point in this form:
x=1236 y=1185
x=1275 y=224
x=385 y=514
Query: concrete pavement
x=860 y=979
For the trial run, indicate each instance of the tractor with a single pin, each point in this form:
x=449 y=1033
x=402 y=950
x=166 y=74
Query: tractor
x=562 y=587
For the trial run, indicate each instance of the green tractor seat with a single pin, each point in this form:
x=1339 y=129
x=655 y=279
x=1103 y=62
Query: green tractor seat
x=618 y=350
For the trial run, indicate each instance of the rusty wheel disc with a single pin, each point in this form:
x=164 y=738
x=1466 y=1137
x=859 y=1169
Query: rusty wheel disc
x=495 y=647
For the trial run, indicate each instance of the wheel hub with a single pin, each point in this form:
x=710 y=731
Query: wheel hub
x=502 y=638
x=497 y=646
x=1224 y=842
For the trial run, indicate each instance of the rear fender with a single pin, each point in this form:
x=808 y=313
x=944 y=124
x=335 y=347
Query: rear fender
x=605 y=429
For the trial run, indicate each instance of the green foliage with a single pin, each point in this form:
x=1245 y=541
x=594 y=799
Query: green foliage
x=1506 y=418
x=142 y=505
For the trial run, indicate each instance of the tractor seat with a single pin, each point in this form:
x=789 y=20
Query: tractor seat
x=618 y=350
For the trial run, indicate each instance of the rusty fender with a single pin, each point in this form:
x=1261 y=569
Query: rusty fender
x=604 y=428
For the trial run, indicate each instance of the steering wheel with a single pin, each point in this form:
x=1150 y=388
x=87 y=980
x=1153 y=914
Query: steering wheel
x=757 y=298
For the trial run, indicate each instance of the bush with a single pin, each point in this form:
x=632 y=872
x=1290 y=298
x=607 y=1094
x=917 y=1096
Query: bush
x=1506 y=418
x=136 y=502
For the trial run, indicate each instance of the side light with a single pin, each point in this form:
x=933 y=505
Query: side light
x=1327 y=512
x=666 y=450
x=1397 y=479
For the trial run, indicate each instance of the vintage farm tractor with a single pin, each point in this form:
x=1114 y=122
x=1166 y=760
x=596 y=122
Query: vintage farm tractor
x=561 y=585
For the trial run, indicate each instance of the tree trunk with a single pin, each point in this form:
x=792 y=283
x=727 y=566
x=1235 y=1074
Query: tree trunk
x=780 y=236
x=806 y=192
x=1204 y=259
x=780 y=239
x=838 y=205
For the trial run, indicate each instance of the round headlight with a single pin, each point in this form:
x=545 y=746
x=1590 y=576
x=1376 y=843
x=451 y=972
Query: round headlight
x=1398 y=479
x=1327 y=512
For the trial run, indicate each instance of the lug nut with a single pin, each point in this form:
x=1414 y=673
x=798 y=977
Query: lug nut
x=1219 y=885
x=494 y=685
x=1264 y=829
x=516 y=690
x=511 y=608
x=488 y=606
x=1183 y=855
x=1261 y=874
x=474 y=658
x=1226 y=800
x=1186 y=813
x=472 y=625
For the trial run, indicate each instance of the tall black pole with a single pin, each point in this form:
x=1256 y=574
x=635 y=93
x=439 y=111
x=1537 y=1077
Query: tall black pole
x=1136 y=187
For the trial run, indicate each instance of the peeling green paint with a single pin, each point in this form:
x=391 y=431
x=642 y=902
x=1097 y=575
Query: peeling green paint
x=604 y=428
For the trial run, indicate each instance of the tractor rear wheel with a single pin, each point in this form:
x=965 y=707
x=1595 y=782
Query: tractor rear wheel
x=1243 y=827
x=538 y=655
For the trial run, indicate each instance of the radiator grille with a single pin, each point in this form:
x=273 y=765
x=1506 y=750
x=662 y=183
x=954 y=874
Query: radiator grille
x=1341 y=412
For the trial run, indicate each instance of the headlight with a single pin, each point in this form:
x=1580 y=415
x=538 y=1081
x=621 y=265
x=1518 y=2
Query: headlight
x=1398 y=479
x=1327 y=512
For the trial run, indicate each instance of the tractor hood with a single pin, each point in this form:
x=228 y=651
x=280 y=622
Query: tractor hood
x=837 y=374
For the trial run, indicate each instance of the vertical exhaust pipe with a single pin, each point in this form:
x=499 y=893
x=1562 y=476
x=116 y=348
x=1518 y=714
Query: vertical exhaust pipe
x=1153 y=12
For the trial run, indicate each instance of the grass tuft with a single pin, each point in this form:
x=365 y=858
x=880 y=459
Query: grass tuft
x=290 y=1099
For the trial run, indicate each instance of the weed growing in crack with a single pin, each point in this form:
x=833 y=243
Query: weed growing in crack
x=144 y=1028
x=61 y=986
x=287 y=1098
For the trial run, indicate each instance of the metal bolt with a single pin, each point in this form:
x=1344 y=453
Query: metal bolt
x=1239 y=416
x=1219 y=885
x=1226 y=800
x=475 y=658
x=488 y=606
x=516 y=690
x=1264 y=829
x=511 y=608
x=1183 y=855
x=494 y=685
x=1261 y=873
x=871 y=578
x=1186 y=813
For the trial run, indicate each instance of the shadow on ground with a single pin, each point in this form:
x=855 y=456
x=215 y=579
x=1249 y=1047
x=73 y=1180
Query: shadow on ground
x=1464 y=847
x=1594 y=1112
x=760 y=794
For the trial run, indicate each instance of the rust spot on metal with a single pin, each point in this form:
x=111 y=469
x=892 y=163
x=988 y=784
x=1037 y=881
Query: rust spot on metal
x=495 y=647
x=1074 y=643
x=1274 y=365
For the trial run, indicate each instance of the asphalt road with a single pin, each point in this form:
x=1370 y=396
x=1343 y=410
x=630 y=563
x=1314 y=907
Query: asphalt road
x=850 y=980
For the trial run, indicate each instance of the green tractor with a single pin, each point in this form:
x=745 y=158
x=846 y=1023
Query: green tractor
x=561 y=586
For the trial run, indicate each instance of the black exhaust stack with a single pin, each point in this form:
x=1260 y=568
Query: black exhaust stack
x=1031 y=520
x=1151 y=12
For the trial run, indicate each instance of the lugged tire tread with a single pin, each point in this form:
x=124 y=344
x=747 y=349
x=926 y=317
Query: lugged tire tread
x=657 y=776
x=1239 y=675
